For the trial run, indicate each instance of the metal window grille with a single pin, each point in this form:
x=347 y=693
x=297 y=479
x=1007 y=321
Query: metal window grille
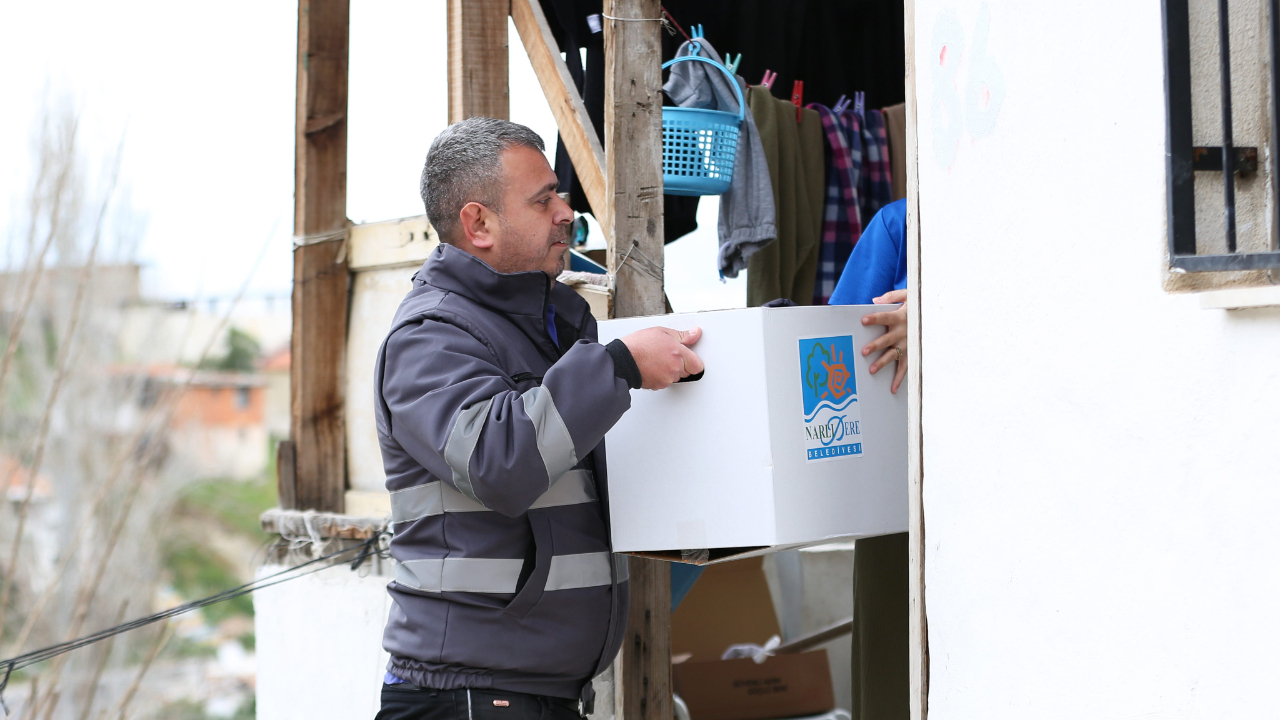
x=1184 y=160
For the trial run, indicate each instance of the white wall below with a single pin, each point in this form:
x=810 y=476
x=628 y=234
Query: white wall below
x=319 y=645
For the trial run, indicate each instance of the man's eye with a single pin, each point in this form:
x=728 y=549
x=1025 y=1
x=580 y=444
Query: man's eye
x=543 y=202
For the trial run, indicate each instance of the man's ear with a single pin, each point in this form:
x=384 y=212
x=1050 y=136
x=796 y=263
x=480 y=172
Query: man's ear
x=478 y=225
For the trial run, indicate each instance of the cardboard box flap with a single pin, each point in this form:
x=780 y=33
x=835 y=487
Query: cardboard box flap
x=728 y=605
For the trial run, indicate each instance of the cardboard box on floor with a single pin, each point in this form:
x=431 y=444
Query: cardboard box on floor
x=788 y=440
x=729 y=605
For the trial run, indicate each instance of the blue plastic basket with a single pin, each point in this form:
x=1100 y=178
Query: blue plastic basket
x=699 y=146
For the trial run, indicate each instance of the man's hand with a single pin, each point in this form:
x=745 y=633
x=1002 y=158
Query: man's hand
x=663 y=355
x=894 y=340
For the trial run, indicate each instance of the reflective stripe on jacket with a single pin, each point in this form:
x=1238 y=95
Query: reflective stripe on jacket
x=492 y=440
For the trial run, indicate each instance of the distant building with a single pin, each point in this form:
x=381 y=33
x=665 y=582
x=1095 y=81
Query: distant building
x=217 y=428
x=275 y=369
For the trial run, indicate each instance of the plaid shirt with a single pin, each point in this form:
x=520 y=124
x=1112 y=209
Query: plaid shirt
x=841 y=226
x=876 y=190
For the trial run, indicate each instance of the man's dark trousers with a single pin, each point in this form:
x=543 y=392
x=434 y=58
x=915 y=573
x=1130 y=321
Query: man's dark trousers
x=410 y=702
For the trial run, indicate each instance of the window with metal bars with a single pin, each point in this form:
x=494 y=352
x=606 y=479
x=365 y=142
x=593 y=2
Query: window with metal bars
x=1185 y=159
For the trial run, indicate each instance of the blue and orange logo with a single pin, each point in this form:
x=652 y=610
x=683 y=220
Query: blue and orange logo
x=827 y=381
x=832 y=424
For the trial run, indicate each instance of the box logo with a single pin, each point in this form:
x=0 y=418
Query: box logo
x=832 y=419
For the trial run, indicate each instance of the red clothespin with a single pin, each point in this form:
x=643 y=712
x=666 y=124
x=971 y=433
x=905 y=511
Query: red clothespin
x=797 y=97
x=767 y=80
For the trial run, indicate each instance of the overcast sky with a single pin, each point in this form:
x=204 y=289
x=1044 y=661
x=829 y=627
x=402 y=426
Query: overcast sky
x=207 y=95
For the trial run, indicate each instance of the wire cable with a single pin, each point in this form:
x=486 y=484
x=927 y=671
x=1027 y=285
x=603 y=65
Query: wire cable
x=372 y=546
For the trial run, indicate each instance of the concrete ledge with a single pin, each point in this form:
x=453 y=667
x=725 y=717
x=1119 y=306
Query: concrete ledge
x=1241 y=298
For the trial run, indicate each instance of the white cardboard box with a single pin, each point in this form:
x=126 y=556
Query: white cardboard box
x=787 y=440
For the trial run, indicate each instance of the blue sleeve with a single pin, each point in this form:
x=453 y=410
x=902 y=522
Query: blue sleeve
x=878 y=263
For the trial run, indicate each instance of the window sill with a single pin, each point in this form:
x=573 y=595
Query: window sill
x=1241 y=298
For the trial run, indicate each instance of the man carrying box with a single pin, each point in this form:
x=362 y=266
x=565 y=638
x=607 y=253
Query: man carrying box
x=492 y=402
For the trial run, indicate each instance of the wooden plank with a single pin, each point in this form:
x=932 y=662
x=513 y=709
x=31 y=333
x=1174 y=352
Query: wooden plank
x=812 y=640
x=478 y=59
x=286 y=475
x=404 y=242
x=633 y=165
x=643 y=691
x=319 y=260
x=579 y=135
x=633 y=177
x=919 y=654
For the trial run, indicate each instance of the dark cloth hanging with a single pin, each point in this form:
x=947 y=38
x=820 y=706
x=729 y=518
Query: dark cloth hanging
x=794 y=153
x=895 y=125
x=574 y=30
x=835 y=46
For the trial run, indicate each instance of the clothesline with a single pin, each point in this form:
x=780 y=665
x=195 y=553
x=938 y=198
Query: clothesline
x=372 y=546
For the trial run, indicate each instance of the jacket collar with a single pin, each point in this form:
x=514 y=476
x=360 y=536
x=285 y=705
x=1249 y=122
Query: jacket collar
x=522 y=293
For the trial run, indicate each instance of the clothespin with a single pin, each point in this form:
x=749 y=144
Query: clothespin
x=767 y=80
x=840 y=105
x=797 y=97
x=696 y=30
x=732 y=63
x=859 y=103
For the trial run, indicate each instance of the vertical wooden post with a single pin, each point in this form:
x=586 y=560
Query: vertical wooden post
x=633 y=179
x=478 y=59
x=320 y=278
x=633 y=157
x=919 y=652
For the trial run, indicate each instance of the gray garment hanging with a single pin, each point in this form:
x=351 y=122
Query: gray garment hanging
x=748 y=218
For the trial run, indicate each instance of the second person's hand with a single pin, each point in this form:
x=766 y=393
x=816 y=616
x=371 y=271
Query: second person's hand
x=894 y=341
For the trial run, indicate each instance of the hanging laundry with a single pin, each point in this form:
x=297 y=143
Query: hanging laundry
x=794 y=154
x=833 y=45
x=895 y=123
x=841 y=223
x=748 y=220
x=876 y=188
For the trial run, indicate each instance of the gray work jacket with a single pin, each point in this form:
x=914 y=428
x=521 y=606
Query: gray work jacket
x=492 y=439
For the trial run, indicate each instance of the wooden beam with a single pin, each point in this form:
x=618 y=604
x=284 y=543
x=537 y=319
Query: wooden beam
x=633 y=166
x=642 y=675
x=319 y=260
x=633 y=177
x=478 y=59
x=919 y=652
x=579 y=135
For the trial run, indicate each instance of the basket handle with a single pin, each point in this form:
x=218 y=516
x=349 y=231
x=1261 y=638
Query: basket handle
x=742 y=105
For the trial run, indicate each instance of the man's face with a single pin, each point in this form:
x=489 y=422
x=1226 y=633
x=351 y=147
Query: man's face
x=534 y=222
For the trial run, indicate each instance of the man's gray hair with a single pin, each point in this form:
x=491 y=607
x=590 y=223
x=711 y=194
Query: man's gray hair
x=464 y=165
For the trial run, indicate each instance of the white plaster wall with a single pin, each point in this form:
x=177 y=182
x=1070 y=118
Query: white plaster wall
x=319 y=645
x=375 y=296
x=1099 y=456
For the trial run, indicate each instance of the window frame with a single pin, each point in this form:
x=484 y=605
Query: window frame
x=1183 y=159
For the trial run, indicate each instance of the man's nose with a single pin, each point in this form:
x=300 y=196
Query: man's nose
x=563 y=213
